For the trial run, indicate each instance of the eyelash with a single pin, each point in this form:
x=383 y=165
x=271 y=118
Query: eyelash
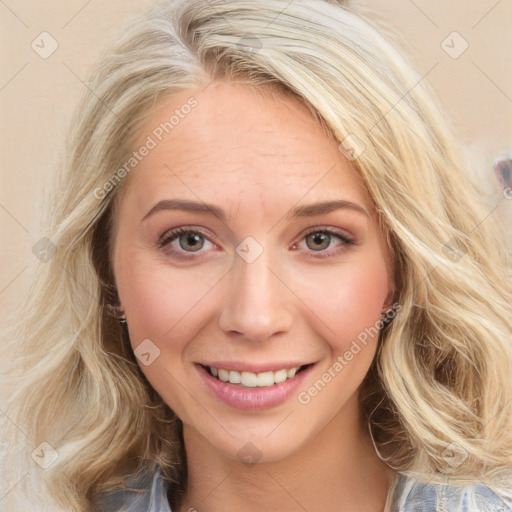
x=346 y=241
x=174 y=234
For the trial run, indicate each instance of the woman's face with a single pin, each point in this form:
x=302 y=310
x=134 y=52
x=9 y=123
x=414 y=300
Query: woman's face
x=231 y=258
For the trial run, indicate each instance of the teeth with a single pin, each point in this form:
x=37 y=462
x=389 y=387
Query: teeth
x=254 y=380
x=235 y=377
x=291 y=372
x=280 y=376
x=249 y=379
x=266 y=379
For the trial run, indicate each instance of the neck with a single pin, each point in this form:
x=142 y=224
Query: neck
x=337 y=470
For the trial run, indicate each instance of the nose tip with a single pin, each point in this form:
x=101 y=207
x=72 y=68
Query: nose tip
x=256 y=304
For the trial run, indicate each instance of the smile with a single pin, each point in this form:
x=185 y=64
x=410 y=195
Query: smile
x=253 y=390
x=254 y=380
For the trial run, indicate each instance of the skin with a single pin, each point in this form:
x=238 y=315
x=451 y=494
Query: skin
x=256 y=155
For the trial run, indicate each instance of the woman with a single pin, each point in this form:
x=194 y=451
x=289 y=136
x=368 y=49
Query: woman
x=272 y=288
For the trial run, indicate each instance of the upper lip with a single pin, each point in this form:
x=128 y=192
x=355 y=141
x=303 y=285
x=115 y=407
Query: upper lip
x=253 y=367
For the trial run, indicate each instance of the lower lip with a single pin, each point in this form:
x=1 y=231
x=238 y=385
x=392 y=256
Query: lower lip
x=253 y=398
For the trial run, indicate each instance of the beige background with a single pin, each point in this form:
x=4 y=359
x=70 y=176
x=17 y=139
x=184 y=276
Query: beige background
x=37 y=97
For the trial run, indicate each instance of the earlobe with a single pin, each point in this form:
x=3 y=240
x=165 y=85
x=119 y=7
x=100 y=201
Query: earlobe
x=116 y=308
x=120 y=314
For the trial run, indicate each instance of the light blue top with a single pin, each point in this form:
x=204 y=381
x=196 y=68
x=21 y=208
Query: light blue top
x=409 y=496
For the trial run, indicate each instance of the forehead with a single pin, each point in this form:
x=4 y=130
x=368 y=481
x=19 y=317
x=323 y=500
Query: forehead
x=239 y=143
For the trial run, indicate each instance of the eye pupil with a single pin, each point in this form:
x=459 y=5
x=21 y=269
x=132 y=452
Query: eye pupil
x=196 y=242
x=318 y=238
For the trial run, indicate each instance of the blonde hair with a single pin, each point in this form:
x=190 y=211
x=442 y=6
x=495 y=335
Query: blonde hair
x=441 y=376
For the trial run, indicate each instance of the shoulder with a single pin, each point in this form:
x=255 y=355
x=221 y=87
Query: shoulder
x=146 y=491
x=411 y=495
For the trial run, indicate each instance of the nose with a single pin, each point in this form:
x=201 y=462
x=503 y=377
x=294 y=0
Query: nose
x=257 y=303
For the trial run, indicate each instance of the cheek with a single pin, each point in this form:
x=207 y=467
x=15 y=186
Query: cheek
x=362 y=294
x=157 y=300
x=168 y=308
x=349 y=300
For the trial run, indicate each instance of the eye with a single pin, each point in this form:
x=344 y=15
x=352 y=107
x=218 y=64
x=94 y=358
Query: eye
x=181 y=240
x=184 y=242
x=318 y=240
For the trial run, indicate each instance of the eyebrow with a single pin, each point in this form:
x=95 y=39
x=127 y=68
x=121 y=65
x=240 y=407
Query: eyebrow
x=296 y=213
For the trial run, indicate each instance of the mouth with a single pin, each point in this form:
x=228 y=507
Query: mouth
x=248 y=379
x=252 y=387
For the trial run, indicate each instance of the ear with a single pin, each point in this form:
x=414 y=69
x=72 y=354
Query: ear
x=113 y=303
x=389 y=300
x=116 y=310
x=388 y=311
x=119 y=311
